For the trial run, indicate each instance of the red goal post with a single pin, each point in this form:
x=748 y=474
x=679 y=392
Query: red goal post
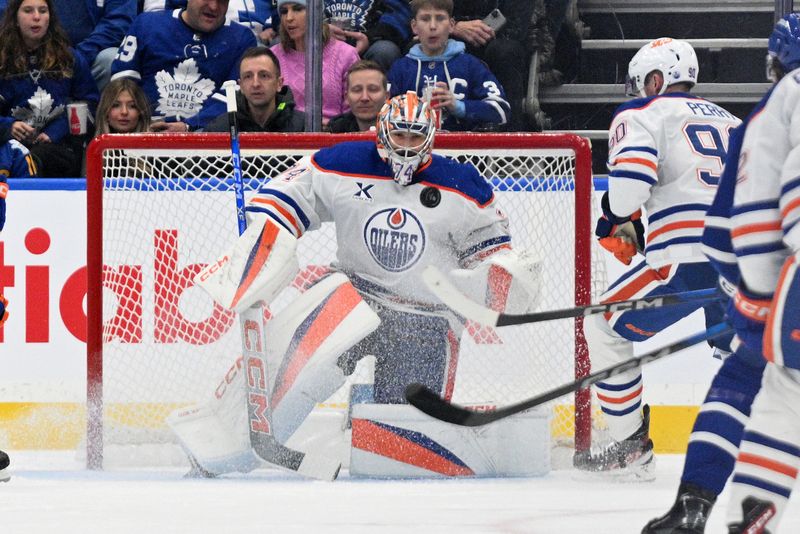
x=160 y=206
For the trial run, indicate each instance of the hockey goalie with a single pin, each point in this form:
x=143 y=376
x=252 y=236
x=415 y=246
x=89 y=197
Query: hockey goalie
x=397 y=208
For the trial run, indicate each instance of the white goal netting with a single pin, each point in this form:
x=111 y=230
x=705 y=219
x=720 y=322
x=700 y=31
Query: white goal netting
x=162 y=207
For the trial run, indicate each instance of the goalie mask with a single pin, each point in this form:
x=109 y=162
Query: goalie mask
x=406 y=127
x=674 y=59
x=784 y=47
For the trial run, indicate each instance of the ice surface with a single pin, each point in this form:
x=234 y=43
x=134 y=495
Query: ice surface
x=50 y=492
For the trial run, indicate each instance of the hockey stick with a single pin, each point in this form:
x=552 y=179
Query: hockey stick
x=259 y=411
x=461 y=304
x=432 y=404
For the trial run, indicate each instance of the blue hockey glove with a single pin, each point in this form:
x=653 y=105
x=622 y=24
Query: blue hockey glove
x=622 y=236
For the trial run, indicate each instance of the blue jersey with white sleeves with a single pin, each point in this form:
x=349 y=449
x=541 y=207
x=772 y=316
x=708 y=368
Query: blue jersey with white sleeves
x=480 y=99
x=387 y=233
x=181 y=70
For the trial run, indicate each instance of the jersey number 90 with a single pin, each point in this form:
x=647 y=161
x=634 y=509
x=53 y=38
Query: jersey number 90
x=711 y=143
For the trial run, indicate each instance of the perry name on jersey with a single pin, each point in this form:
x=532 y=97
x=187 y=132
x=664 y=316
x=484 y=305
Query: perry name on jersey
x=387 y=233
x=666 y=153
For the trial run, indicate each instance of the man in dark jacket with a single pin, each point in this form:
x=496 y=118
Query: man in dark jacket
x=366 y=94
x=265 y=104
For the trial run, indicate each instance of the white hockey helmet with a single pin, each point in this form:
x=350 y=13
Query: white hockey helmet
x=406 y=113
x=673 y=58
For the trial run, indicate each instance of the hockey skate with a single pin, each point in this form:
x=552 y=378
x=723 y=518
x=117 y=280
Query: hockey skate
x=688 y=514
x=757 y=514
x=628 y=460
x=5 y=475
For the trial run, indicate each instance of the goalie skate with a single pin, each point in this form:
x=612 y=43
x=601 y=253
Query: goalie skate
x=688 y=514
x=757 y=514
x=629 y=460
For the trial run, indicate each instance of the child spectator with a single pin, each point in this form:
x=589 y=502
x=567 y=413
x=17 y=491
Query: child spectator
x=123 y=108
x=464 y=90
x=367 y=92
x=264 y=104
x=39 y=75
x=181 y=58
x=337 y=56
x=96 y=28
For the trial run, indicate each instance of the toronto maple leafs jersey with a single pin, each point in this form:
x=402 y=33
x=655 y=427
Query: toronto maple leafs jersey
x=39 y=98
x=386 y=233
x=254 y=14
x=480 y=99
x=766 y=206
x=666 y=153
x=181 y=70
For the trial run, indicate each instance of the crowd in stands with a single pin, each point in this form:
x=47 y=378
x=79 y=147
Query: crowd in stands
x=159 y=65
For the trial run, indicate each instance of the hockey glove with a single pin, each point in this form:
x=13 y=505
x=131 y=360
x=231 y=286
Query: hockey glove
x=622 y=236
x=3 y=193
x=3 y=312
x=747 y=313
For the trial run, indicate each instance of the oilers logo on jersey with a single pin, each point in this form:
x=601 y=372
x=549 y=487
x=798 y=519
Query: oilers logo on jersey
x=395 y=238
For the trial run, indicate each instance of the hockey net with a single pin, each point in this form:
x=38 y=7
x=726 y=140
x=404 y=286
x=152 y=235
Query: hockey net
x=161 y=207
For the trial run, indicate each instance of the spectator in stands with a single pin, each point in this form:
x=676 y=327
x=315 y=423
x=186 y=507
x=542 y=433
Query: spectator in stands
x=95 y=29
x=39 y=75
x=181 y=58
x=367 y=92
x=379 y=30
x=505 y=42
x=337 y=56
x=123 y=108
x=264 y=103
x=255 y=14
x=464 y=90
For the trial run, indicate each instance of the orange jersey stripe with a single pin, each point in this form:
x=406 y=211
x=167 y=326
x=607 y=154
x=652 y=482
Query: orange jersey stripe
x=794 y=204
x=283 y=211
x=756 y=228
x=620 y=400
x=637 y=161
x=674 y=226
x=766 y=463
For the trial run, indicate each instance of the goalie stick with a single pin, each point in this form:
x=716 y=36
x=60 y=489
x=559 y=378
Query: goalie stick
x=259 y=411
x=466 y=307
x=432 y=404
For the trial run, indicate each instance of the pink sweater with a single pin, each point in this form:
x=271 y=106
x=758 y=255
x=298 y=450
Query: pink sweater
x=337 y=56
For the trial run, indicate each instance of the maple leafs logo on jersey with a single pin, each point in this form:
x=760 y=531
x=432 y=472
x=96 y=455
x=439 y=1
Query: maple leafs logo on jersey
x=355 y=10
x=183 y=94
x=40 y=110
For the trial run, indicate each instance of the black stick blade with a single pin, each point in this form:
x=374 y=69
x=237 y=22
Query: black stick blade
x=432 y=404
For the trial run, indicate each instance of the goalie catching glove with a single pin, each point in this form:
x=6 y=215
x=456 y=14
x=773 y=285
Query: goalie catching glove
x=261 y=263
x=622 y=236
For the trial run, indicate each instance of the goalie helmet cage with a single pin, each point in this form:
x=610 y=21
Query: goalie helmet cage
x=161 y=206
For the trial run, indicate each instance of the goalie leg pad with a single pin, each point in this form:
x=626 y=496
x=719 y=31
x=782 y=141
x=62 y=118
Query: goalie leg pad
x=398 y=441
x=216 y=433
x=508 y=281
x=261 y=263
x=308 y=337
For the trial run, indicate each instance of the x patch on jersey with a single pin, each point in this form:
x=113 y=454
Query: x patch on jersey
x=363 y=192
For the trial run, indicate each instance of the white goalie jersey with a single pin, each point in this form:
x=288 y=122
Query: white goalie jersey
x=387 y=234
x=666 y=154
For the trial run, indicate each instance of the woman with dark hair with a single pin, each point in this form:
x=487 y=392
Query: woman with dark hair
x=123 y=108
x=337 y=56
x=39 y=75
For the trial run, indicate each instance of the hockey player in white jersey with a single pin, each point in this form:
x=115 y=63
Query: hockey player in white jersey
x=766 y=241
x=666 y=150
x=397 y=208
